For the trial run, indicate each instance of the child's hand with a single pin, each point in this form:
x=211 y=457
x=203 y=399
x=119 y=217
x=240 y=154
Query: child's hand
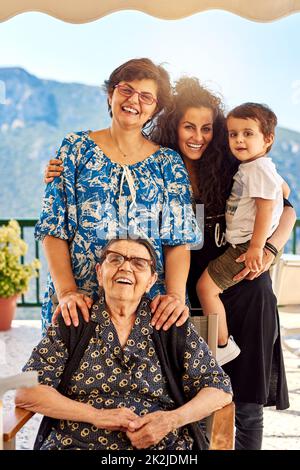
x=253 y=258
x=53 y=168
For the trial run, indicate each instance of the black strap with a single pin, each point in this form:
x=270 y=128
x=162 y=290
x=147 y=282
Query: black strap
x=170 y=348
x=286 y=203
x=76 y=340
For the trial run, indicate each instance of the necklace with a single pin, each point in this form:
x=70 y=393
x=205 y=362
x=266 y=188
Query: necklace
x=125 y=155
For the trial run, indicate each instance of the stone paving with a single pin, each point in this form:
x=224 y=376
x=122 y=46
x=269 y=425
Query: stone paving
x=281 y=430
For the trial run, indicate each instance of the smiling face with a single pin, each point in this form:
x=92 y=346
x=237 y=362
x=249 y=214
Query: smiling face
x=195 y=132
x=130 y=111
x=123 y=283
x=246 y=139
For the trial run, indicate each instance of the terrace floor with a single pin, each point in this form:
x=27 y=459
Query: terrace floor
x=281 y=428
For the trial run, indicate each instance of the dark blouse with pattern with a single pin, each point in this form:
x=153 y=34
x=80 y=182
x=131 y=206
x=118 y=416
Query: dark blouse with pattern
x=111 y=377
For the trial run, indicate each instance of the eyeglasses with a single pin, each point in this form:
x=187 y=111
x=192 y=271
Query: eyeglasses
x=137 y=264
x=144 y=96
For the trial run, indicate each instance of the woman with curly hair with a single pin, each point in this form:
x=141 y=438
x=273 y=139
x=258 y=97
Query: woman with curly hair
x=196 y=129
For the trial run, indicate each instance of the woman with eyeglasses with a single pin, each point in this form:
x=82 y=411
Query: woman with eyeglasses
x=115 y=182
x=127 y=385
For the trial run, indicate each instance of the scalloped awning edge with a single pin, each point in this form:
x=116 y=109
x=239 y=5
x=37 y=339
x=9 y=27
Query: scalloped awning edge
x=84 y=11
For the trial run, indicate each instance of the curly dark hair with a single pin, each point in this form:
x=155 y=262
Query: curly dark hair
x=216 y=166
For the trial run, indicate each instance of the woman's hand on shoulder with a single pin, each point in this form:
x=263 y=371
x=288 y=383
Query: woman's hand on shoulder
x=267 y=260
x=168 y=309
x=52 y=170
x=69 y=302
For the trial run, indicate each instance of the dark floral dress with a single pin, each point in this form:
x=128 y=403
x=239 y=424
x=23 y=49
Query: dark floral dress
x=111 y=377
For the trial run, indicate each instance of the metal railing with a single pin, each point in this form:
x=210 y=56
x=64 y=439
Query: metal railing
x=27 y=223
x=294 y=236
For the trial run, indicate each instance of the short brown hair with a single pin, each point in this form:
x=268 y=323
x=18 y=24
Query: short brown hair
x=139 y=69
x=140 y=241
x=261 y=113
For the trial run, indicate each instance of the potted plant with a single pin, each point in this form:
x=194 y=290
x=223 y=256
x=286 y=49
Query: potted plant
x=14 y=276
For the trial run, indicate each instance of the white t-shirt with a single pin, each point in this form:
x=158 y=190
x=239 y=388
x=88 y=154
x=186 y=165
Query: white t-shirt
x=258 y=178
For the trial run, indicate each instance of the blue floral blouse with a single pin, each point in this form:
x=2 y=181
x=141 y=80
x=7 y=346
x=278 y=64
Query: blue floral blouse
x=96 y=199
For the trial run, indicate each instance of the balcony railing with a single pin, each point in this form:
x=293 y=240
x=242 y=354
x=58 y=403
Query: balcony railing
x=296 y=230
x=30 y=223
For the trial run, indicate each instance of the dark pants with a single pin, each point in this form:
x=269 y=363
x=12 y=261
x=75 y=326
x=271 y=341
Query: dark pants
x=249 y=426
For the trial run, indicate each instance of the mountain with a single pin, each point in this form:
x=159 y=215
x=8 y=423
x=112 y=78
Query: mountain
x=34 y=118
x=286 y=155
x=37 y=114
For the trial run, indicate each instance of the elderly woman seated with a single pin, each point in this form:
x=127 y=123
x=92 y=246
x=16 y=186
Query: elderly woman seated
x=134 y=386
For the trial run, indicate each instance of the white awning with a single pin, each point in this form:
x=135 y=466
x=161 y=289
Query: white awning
x=83 y=11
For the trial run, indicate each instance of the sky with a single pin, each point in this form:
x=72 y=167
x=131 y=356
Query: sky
x=241 y=59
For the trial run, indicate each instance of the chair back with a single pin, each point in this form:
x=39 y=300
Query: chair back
x=207 y=327
x=286 y=280
x=286 y=285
